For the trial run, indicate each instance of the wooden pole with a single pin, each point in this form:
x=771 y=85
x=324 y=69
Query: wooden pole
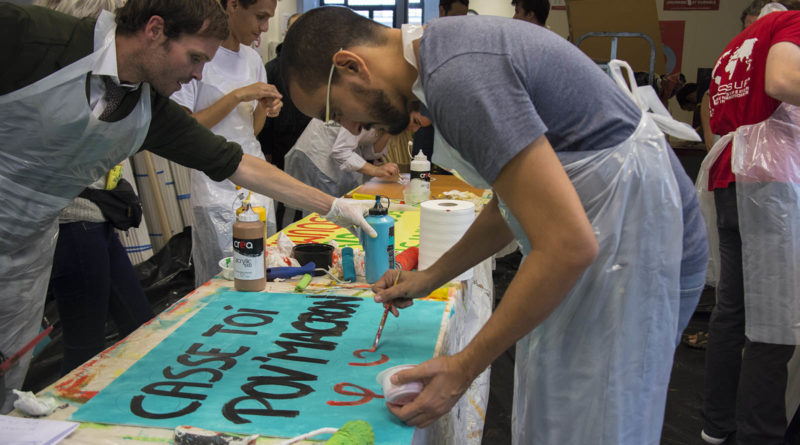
x=158 y=198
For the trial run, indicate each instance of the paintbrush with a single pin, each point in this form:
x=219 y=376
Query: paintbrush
x=383 y=319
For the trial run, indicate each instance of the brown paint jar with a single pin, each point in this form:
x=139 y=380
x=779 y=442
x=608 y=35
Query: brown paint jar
x=249 y=272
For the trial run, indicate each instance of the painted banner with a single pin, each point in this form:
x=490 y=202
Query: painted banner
x=316 y=229
x=272 y=364
x=691 y=5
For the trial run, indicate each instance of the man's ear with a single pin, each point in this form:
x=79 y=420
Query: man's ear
x=154 y=29
x=349 y=63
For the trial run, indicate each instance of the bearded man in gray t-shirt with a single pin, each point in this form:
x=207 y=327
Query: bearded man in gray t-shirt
x=583 y=180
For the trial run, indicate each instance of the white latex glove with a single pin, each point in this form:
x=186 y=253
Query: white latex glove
x=349 y=215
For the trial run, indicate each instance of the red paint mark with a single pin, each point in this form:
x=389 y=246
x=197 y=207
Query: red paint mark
x=183 y=302
x=72 y=389
x=358 y=353
x=365 y=394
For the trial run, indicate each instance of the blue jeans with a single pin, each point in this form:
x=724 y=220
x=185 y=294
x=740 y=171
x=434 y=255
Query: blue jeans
x=92 y=278
x=691 y=289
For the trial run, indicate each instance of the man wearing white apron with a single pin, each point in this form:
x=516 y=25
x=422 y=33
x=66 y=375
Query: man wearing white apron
x=749 y=187
x=583 y=180
x=66 y=119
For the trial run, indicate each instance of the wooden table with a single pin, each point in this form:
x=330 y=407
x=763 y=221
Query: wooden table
x=394 y=190
x=469 y=303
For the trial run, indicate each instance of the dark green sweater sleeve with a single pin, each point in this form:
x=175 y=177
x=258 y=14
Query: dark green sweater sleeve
x=37 y=42
x=177 y=136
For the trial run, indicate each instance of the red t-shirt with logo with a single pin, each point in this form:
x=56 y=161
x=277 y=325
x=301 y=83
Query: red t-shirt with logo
x=736 y=93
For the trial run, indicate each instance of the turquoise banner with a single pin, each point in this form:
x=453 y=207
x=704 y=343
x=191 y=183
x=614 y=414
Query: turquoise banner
x=272 y=364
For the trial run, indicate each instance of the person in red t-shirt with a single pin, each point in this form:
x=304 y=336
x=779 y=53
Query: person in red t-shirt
x=746 y=372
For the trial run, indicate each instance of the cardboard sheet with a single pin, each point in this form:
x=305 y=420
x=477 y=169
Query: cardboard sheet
x=272 y=364
x=641 y=16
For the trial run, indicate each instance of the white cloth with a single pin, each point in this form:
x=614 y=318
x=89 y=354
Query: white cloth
x=582 y=362
x=213 y=202
x=46 y=160
x=766 y=161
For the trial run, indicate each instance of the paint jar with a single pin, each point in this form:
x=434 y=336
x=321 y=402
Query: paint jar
x=398 y=394
x=378 y=251
x=320 y=254
x=249 y=271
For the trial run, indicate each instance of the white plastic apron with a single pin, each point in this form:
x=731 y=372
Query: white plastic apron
x=765 y=158
x=316 y=142
x=605 y=353
x=53 y=147
x=213 y=202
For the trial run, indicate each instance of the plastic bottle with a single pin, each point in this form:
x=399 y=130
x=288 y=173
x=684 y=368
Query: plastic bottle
x=249 y=273
x=419 y=188
x=378 y=251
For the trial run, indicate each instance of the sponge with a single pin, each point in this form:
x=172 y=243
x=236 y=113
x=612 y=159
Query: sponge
x=354 y=432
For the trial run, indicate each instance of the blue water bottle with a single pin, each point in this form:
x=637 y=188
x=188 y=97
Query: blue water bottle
x=378 y=251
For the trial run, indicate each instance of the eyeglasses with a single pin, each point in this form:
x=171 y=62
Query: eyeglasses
x=328 y=121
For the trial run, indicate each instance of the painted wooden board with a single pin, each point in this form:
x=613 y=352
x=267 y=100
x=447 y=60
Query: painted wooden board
x=316 y=229
x=272 y=364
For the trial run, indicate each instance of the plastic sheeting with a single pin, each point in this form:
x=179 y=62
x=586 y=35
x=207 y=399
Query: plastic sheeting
x=766 y=162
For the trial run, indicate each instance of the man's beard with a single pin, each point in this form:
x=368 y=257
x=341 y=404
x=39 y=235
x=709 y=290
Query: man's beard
x=383 y=112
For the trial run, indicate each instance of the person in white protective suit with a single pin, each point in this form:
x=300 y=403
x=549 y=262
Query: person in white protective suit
x=77 y=96
x=583 y=179
x=334 y=160
x=233 y=99
x=750 y=195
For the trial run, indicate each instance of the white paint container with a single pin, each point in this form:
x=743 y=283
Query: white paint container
x=398 y=394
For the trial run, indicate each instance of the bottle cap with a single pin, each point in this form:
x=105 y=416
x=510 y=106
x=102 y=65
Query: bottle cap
x=248 y=215
x=379 y=209
x=420 y=156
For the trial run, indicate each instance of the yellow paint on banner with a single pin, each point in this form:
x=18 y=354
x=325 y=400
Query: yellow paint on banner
x=316 y=229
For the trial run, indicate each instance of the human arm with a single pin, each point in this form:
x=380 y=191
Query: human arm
x=266 y=108
x=705 y=121
x=260 y=91
x=563 y=246
x=262 y=177
x=488 y=234
x=347 y=151
x=389 y=170
x=174 y=135
x=373 y=145
x=782 y=74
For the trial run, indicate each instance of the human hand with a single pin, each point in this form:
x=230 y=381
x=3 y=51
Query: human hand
x=349 y=215
x=401 y=294
x=389 y=170
x=258 y=91
x=271 y=105
x=445 y=378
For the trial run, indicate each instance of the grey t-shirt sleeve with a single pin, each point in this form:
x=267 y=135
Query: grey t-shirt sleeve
x=487 y=115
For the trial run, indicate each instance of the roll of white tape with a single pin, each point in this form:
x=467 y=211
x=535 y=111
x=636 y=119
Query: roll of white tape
x=442 y=222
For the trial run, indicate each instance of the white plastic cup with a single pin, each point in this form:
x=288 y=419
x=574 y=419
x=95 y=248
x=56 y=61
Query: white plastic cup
x=398 y=394
x=227 y=268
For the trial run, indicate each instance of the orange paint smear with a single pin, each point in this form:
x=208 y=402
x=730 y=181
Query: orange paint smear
x=72 y=389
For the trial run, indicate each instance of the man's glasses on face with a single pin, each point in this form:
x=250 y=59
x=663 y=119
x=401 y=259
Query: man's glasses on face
x=328 y=121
